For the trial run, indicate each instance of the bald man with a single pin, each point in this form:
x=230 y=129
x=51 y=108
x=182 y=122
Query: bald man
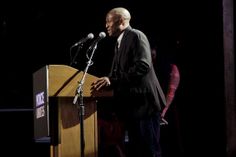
x=138 y=96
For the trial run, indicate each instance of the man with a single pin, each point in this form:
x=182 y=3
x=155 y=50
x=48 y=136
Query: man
x=137 y=92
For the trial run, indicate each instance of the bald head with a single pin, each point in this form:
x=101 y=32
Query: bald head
x=117 y=20
x=121 y=13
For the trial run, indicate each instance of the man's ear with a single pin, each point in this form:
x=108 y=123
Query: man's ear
x=122 y=21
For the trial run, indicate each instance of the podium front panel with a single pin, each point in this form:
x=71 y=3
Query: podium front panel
x=40 y=99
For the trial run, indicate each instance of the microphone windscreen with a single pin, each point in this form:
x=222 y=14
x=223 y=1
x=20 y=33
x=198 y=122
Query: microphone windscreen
x=102 y=34
x=90 y=36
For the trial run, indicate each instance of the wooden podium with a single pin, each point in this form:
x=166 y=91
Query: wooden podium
x=56 y=117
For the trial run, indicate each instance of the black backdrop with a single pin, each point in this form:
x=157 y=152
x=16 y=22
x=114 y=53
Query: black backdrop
x=34 y=34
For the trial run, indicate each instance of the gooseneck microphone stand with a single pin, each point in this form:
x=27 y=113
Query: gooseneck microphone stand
x=80 y=105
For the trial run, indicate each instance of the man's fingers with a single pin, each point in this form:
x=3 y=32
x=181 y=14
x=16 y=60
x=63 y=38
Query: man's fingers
x=101 y=82
x=100 y=85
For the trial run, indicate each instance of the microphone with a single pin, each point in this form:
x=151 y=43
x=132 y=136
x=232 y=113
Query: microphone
x=100 y=37
x=83 y=40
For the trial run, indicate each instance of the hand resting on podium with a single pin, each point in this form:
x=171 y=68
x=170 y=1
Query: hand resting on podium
x=99 y=88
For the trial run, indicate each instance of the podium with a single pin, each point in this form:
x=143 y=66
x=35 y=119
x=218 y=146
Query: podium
x=56 y=118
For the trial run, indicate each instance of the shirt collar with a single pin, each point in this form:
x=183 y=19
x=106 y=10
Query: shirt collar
x=119 y=39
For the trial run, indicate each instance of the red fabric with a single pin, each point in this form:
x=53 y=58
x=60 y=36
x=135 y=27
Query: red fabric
x=111 y=137
x=172 y=86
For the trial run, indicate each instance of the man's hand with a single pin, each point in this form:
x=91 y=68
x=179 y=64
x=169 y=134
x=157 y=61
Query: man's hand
x=97 y=86
x=101 y=82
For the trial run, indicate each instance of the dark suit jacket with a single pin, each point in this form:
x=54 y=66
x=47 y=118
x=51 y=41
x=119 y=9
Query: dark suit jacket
x=133 y=78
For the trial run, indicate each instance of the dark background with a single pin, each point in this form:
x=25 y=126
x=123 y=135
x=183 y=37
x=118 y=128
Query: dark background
x=34 y=34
